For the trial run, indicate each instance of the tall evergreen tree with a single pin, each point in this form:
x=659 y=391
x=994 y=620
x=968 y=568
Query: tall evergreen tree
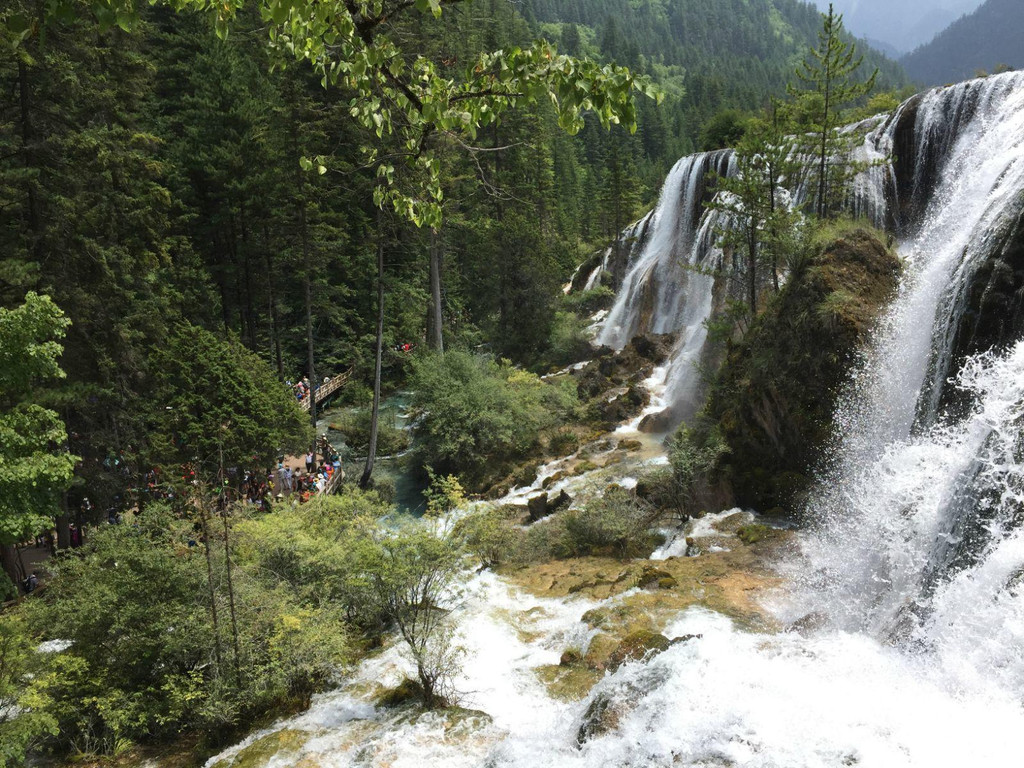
x=829 y=73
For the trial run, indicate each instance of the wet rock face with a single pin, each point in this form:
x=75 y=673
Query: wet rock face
x=993 y=306
x=611 y=383
x=920 y=154
x=542 y=505
x=636 y=647
x=773 y=401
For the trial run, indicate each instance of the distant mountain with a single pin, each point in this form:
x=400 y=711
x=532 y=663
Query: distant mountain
x=899 y=25
x=992 y=37
x=724 y=53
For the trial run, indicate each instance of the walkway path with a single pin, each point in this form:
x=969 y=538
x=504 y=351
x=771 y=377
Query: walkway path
x=327 y=389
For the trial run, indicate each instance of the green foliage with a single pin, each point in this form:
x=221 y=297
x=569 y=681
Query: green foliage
x=476 y=413
x=569 y=343
x=760 y=226
x=406 y=98
x=320 y=550
x=355 y=427
x=490 y=535
x=693 y=456
x=724 y=130
x=218 y=405
x=23 y=719
x=414 y=575
x=35 y=468
x=617 y=523
x=753 y=533
x=146 y=659
x=588 y=302
x=443 y=494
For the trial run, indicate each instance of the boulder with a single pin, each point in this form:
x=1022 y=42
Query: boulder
x=636 y=647
x=561 y=501
x=537 y=506
x=651 y=577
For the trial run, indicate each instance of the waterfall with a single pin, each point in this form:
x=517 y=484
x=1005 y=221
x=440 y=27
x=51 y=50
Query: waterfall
x=669 y=284
x=921 y=506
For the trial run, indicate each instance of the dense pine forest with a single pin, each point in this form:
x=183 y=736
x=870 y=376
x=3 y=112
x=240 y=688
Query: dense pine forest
x=987 y=40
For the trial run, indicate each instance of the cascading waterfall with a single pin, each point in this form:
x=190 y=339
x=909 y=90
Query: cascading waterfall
x=910 y=493
x=669 y=286
x=913 y=574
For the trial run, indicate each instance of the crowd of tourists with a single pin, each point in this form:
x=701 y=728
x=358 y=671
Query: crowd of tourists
x=321 y=464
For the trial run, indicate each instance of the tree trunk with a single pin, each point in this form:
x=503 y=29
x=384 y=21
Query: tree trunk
x=27 y=142
x=63 y=524
x=231 y=592
x=209 y=584
x=9 y=560
x=275 y=336
x=371 y=451
x=435 y=334
x=752 y=270
x=308 y=295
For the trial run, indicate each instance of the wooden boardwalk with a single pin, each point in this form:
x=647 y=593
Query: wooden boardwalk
x=327 y=389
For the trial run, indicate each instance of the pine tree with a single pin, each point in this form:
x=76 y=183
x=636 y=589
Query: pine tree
x=754 y=199
x=829 y=73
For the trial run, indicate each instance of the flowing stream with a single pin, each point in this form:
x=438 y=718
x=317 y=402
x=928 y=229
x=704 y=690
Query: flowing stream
x=910 y=584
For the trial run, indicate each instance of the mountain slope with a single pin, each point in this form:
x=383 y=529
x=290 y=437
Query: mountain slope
x=902 y=25
x=991 y=36
x=725 y=53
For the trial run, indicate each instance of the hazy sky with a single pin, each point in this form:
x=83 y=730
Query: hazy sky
x=902 y=24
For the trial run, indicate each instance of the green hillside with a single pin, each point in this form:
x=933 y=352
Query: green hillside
x=990 y=39
x=725 y=53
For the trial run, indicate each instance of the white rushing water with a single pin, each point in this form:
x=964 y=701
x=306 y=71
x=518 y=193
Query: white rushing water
x=911 y=583
x=669 y=285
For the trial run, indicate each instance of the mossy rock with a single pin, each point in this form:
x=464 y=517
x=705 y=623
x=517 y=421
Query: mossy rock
x=630 y=445
x=549 y=481
x=602 y=716
x=637 y=646
x=406 y=692
x=570 y=657
x=264 y=749
x=568 y=683
x=769 y=412
x=654 y=577
x=602 y=646
x=753 y=533
x=524 y=476
x=583 y=467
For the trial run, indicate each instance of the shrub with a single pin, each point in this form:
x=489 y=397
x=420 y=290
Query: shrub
x=569 y=342
x=491 y=536
x=618 y=523
x=476 y=413
x=146 y=659
x=564 y=442
x=662 y=489
x=443 y=494
x=22 y=719
x=588 y=302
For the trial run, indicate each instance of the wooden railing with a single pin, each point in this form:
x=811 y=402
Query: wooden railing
x=332 y=484
x=327 y=389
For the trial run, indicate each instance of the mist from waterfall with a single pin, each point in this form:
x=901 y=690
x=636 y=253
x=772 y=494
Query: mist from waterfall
x=916 y=497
